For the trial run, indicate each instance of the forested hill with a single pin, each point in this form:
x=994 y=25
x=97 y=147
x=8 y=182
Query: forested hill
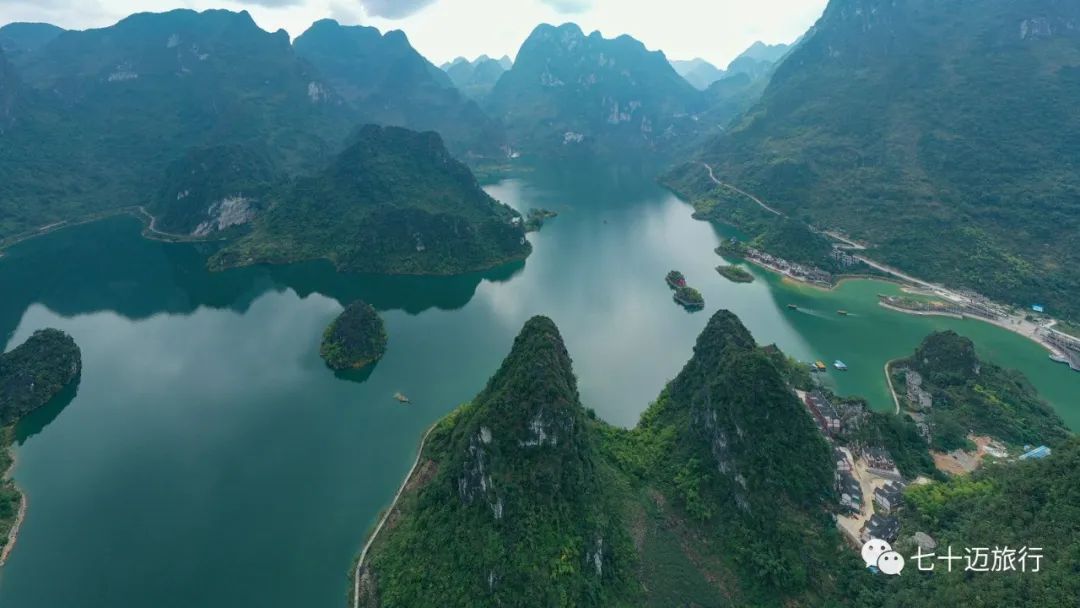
x=510 y=504
x=944 y=133
x=1018 y=505
x=569 y=92
x=387 y=82
x=974 y=396
x=112 y=107
x=395 y=201
x=8 y=92
x=35 y=371
x=523 y=498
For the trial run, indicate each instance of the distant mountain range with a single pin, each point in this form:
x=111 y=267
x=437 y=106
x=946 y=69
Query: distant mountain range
x=387 y=82
x=943 y=134
x=476 y=78
x=568 y=92
x=698 y=72
x=755 y=62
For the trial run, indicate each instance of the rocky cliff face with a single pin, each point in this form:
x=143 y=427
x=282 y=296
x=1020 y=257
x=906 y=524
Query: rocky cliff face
x=516 y=513
x=611 y=93
x=387 y=82
x=211 y=190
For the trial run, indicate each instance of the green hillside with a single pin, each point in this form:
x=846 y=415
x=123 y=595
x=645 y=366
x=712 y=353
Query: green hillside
x=105 y=111
x=941 y=132
x=717 y=498
x=512 y=503
x=35 y=371
x=211 y=190
x=1032 y=504
x=394 y=201
x=385 y=81
x=971 y=395
x=568 y=93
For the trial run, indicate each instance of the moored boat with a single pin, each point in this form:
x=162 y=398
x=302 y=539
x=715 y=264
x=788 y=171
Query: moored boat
x=840 y=365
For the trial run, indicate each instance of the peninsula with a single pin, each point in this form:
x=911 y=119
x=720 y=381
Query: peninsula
x=30 y=376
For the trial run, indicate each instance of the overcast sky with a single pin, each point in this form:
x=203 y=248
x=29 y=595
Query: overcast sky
x=717 y=30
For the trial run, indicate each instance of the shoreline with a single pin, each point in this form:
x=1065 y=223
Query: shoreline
x=386 y=515
x=904 y=281
x=13 y=533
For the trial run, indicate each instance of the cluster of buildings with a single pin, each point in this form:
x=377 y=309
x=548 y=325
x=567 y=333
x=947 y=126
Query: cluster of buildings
x=797 y=271
x=843 y=257
x=824 y=413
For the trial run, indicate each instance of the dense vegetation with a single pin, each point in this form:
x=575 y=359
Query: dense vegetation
x=1020 y=504
x=94 y=120
x=736 y=274
x=103 y=112
x=385 y=81
x=394 y=201
x=31 y=374
x=944 y=133
x=689 y=297
x=35 y=371
x=512 y=504
x=354 y=339
x=568 y=94
x=522 y=498
x=796 y=242
x=970 y=395
x=212 y=189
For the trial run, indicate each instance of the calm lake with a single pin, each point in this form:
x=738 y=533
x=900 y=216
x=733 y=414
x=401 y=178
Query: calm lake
x=208 y=457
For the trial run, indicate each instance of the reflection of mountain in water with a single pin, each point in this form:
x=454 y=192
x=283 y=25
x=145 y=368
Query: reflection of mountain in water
x=107 y=265
x=34 y=422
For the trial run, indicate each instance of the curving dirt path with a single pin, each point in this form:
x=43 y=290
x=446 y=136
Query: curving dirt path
x=742 y=192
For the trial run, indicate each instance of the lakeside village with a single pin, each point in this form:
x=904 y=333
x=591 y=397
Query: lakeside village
x=1063 y=347
x=961 y=304
x=799 y=272
x=868 y=484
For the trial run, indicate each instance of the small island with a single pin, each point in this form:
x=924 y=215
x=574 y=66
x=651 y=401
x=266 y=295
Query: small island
x=735 y=274
x=689 y=298
x=356 y=339
x=30 y=376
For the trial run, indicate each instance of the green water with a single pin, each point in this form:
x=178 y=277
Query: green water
x=208 y=458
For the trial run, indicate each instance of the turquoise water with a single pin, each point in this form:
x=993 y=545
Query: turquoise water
x=208 y=457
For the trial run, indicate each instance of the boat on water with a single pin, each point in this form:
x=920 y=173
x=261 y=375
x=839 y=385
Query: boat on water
x=792 y=307
x=842 y=313
x=840 y=365
x=820 y=366
x=401 y=398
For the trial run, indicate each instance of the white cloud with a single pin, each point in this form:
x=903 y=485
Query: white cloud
x=569 y=6
x=716 y=30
